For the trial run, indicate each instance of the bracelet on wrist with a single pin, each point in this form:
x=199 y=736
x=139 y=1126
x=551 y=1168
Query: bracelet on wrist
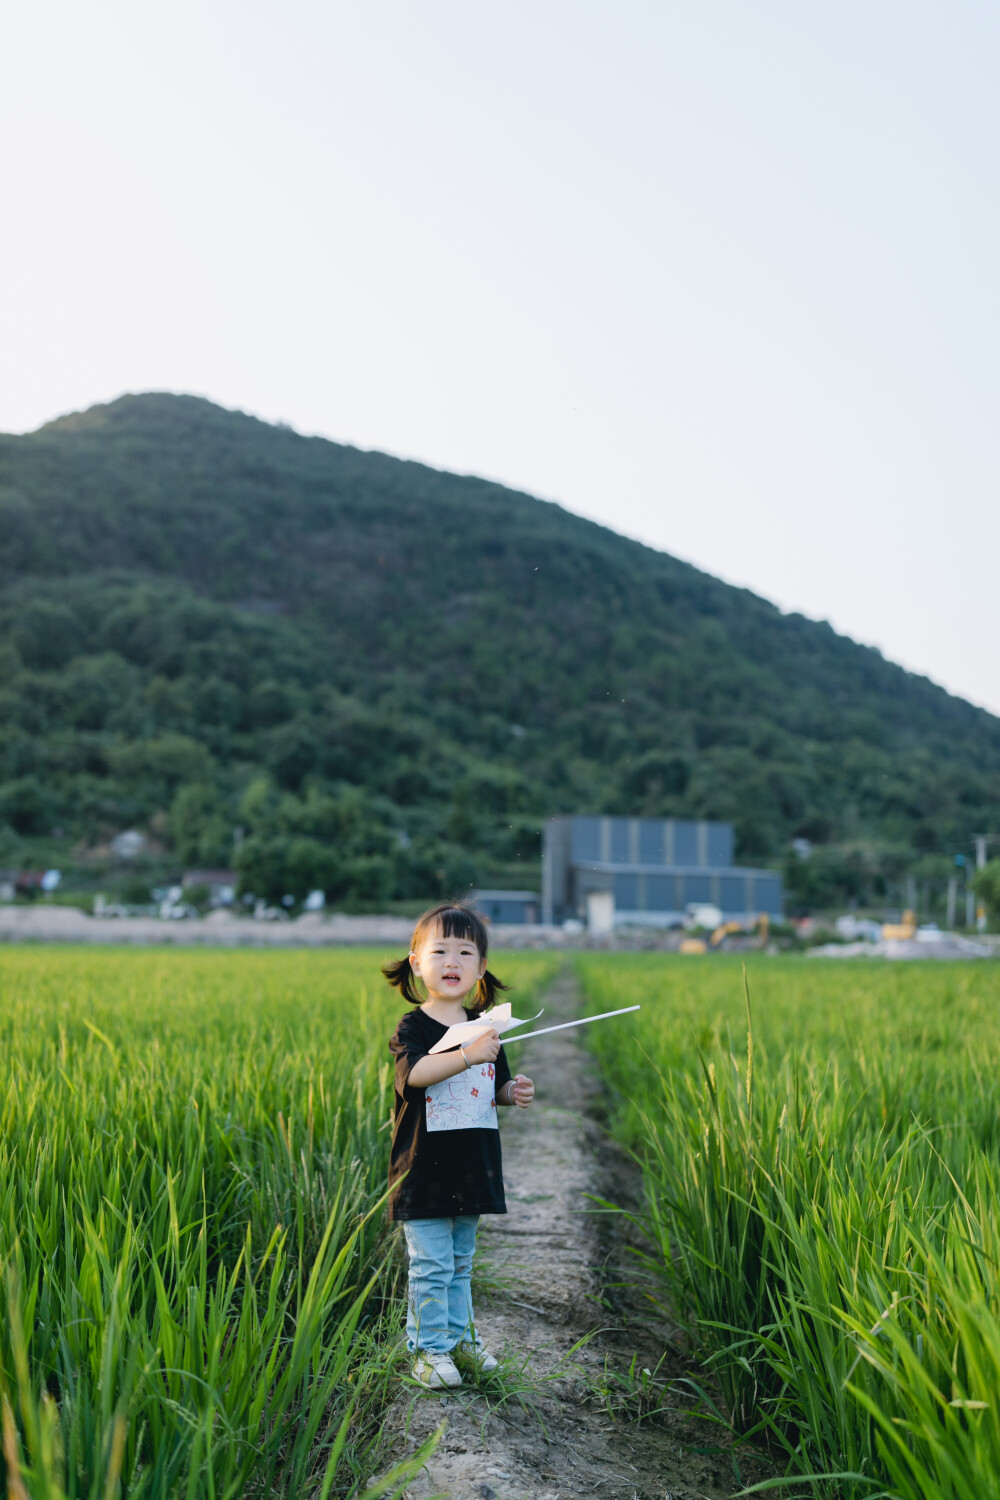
x=468 y=1065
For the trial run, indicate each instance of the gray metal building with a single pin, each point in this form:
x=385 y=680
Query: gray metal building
x=655 y=868
x=510 y=907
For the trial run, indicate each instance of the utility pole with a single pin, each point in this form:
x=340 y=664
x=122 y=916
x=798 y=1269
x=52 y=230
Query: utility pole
x=949 y=920
x=980 y=862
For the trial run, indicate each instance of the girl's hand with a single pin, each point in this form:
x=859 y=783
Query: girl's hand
x=484 y=1049
x=524 y=1091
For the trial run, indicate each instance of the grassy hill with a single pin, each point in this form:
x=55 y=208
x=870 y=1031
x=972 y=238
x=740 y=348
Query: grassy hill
x=388 y=676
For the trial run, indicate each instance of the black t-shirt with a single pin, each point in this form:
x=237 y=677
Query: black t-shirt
x=445 y=1138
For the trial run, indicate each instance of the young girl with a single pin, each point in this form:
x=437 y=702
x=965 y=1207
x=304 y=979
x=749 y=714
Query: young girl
x=444 y=1168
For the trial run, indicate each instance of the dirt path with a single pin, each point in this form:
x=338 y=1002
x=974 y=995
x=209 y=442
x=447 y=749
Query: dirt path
x=544 y=1280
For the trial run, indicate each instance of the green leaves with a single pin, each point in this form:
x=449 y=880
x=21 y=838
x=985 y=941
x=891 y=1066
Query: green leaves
x=822 y=1207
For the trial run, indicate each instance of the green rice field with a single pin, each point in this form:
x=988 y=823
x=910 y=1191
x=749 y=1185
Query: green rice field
x=196 y=1275
x=199 y=1289
x=821 y=1167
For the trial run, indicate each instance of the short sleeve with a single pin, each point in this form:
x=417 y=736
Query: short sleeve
x=407 y=1045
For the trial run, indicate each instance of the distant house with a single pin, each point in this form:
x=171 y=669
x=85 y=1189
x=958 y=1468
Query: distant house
x=653 y=870
x=512 y=907
x=221 y=884
x=128 y=844
x=8 y=883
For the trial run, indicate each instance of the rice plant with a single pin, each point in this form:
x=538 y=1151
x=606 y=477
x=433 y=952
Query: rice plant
x=193 y=1254
x=821 y=1170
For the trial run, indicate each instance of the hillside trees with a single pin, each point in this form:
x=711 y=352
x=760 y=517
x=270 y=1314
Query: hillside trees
x=193 y=603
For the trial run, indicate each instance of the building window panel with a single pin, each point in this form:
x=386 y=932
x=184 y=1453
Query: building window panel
x=720 y=845
x=619 y=841
x=661 y=893
x=767 y=895
x=587 y=840
x=651 y=842
x=686 y=843
x=697 y=888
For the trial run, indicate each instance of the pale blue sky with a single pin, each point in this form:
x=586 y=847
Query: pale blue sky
x=720 y=275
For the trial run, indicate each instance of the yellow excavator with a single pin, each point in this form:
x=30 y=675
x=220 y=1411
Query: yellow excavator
x=762 y=927
x=907 y=928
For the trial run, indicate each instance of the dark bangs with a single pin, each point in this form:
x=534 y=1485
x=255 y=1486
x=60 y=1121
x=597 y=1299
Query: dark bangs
x=456 y=922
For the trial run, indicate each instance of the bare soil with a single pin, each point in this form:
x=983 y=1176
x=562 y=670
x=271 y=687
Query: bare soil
x=552 y=1274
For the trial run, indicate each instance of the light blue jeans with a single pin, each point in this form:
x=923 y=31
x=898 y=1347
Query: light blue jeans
x=439 y=1304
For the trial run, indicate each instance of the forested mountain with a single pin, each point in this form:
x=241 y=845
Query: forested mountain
x=388 y=676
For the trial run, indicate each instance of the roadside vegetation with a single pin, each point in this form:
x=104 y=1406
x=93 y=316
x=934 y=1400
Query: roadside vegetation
x=821 y=1171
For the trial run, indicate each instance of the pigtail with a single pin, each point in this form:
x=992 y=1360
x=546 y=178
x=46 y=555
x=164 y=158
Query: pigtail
x=487 y=991
x=402 y=978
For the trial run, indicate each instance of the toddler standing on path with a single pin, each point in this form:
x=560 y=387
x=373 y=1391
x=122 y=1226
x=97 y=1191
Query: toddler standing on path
x=444 y=1168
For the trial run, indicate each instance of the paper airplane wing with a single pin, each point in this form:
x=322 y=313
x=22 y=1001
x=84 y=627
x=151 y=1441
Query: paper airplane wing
x=497 y=1019
x=462 y=1034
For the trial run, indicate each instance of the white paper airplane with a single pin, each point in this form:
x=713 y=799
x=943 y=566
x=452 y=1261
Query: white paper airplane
x=500 y=1019
x=497 y=1019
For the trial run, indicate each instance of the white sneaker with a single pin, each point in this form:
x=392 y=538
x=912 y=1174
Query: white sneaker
x=436 y=1370
x=481 y=1358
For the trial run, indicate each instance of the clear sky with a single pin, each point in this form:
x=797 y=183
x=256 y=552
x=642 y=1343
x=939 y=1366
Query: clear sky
x=720 y=275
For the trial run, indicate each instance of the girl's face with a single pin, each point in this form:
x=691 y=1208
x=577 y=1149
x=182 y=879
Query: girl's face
x=449 y=966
